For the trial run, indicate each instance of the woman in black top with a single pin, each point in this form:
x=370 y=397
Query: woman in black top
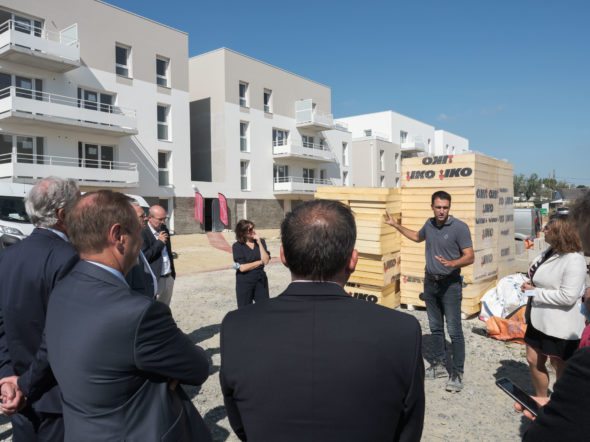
x=250 y=256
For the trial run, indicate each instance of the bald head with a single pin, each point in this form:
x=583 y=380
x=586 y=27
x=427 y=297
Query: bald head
x=157 y=218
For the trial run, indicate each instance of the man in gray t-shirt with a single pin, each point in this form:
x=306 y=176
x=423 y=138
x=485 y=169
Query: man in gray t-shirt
x=448 y=248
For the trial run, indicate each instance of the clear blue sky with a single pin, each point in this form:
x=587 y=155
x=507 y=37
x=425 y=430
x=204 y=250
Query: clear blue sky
x=513 y=76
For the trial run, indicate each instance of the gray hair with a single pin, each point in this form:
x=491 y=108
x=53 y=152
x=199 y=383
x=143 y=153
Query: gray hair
x=47 y=197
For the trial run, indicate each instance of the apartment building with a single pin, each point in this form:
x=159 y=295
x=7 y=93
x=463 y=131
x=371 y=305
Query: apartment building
x=381 y=140
x=92 y=92
x=261 y=136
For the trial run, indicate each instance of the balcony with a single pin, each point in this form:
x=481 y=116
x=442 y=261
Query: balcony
x=53 y=51
x=26 y=167
x=306 y=151
x=27 y=106
x=307 y=116
x=413 y=145
x=297 y=185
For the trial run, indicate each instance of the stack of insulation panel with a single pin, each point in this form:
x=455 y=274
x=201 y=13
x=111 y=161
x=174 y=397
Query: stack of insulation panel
x=376 y=278
x=474 y=182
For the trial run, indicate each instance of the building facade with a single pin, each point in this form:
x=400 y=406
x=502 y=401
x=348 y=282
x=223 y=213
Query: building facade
x=261 y=136
x=91 y=92
x=381 y=140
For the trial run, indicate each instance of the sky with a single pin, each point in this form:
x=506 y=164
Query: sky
x=512 y=76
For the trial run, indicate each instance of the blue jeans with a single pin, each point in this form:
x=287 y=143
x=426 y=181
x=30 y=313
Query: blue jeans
x=443 y=300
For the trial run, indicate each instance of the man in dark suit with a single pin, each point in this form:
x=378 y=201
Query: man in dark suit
x=141 y=278
x=315 y=364
x=30 y=269
x=118 y=357
x=158 y=251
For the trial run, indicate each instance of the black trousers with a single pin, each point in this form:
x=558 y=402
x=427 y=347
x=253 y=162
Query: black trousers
x=37 y=427
x=251 y=287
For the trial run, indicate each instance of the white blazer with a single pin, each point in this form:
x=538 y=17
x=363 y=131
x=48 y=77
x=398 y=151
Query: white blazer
x=555 y=307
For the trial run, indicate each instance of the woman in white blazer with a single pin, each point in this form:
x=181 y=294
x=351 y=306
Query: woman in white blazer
x=555 y=323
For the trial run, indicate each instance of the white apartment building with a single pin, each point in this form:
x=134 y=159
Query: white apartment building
x=263 y=137
x=381 y=140
x=92 y=92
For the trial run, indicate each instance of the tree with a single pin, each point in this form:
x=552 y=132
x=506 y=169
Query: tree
x=532 y=185
x=519 y=184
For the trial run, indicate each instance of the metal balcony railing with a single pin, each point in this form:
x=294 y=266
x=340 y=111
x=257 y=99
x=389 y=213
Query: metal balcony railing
x=62 y=37
x=55 y=160
x=306 y=149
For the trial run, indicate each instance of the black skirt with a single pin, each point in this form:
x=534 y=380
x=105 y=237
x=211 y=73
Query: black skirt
x=550 y=345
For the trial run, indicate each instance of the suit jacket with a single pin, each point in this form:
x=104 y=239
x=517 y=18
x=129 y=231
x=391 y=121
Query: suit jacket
x=30 y=270
x=555 y=309
x=152 y=249
x=112 y=354
x=565 y=417
x=315 y=364
x=140 y=278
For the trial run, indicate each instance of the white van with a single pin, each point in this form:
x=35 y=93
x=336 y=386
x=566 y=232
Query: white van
x=14 y=220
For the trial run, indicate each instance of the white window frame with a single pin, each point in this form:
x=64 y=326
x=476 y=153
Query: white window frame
x=244 y=99
x=165 y=170
x=126 y=66
x=102 y=107
x=310 y=172
x=397 y=162
x=382 y=160
x=280 y=137
x=345 y=177
x=165 y=123
x=382 y=181
x=307 y=141
x=35 y=157
x=245 y=137
x=403 y=136
x=163 y=79
x=244 y=175
x=267 y=103
x=280 y=172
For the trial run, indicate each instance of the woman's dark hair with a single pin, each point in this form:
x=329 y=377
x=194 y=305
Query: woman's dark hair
x=441 y=195
x=242 y=228
x=318 y=239
x=565 y=235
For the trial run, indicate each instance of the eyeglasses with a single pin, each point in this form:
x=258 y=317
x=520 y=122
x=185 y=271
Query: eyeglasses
x=160 y=219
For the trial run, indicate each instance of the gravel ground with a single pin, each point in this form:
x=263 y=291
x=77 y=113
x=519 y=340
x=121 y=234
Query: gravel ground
x=480 y=412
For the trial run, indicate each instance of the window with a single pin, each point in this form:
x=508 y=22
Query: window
x=429 y=146
x=307 y=141
x=323 y=174
x=22 y=24
x=243 y=94
x=162 y=65
x=280 y=137
x=122 y=60
x=382 y=181
x=447 y=148
x=403 y=136
x=29 y=150
x=397 y=163
x=281 y=173
x=345 y=154
x=381 y=160
x=163 y=122
x=368 y=132
x=96 y=156
x=163 y=168
x=267 y=100
x=95 y=100
x=245 y=175
x=244 y=136
x=308 y=175
x=28 y=87
x=345 y=178
x=397 y=182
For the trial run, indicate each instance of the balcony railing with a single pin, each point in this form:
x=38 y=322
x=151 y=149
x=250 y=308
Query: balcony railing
x=63 y=46
x=415 y=143
x=315 y=151
x=291 y=184
x=75 y=111
x=102 y=172
x=306 y=115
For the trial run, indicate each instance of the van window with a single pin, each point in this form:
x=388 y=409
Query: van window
x=12 y=208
